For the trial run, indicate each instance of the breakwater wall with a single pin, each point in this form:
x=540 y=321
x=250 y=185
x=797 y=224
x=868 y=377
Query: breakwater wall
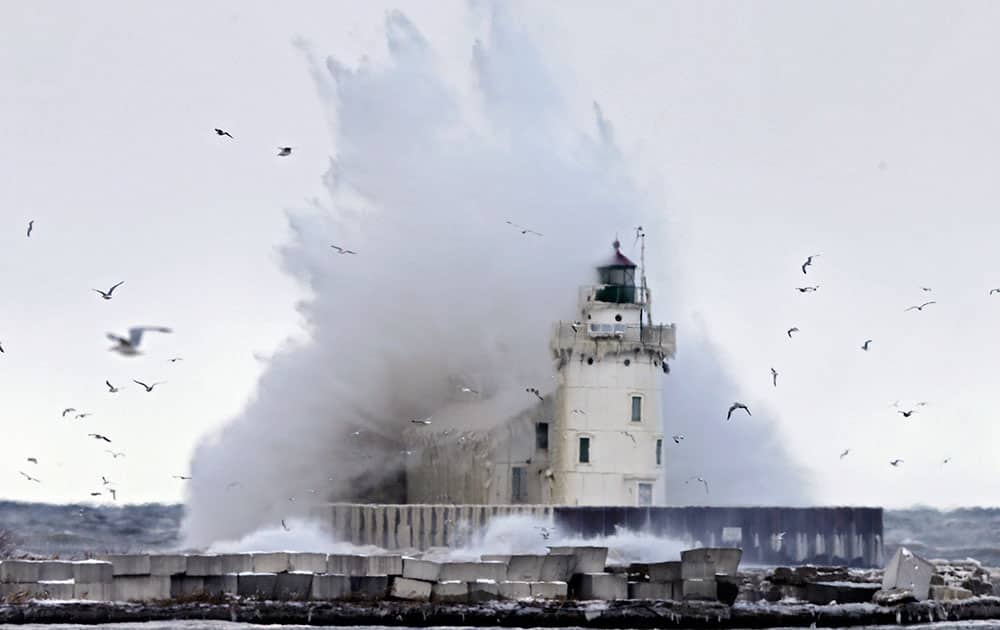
x=768 y=535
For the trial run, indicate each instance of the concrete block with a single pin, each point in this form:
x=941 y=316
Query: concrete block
x=725 y=559
x=385 y=564
x=294 y=586
x=307 y=562
x=822 y=593
x=167 y=564
x=662 y=591
x=484 y=591
x=257 y=585
x=948 y=593
x=237 y=563
x=606 y=586
x=527 y=568
x=700 y=589
x=370 y=587
x=588 y=559
x=450 y=592
x=55 y=571
x=227 y=584
x=128 y=564
x=666 y=571
x=99 y=592
x=140 y=588
x=55 y=589
x=275 y=562
x=514 y=589
x=204 y=566
x=186 y=586
x=908 y=571
x=472 y=571
x=415 y=590
x=327 y=587
x=347 y=564
x=425 y=570
x=549 y=590
x=92 y=572
x=19 y=571
x=557 y=568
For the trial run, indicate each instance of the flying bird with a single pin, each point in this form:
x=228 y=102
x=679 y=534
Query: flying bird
x=469 y=390
x=31 y=226
x=808 y=262
x=82 y=416
x=343 y=250
x=925 y=289
x=545 y=532
x=111 y=388
x=284 y=151
x=114 y=494
x=95 y=494
x=774 y=377
x=232 y=484
x=866 y=344
x=98 y=436
x=807 y=289
x=677 y=438
x=32 y=460
x=223 y=132
x=68 y=410
x=105 y=481
x=107 y=294
x=734 y=407
x=30 y=478
x=844 y=454
x=1 y=348
x=922 y=403
x=182 y=477
x=534 y=390
x=907 y=413
x=699 y=479
x=285 y=527
x=130 y=347
x=149 y=388
x=992 y=291
x=921 y=307
x=114 y=455
x=175 y=359
x=793 y=329
x=575 y=326
x=578 y=412
x=424 y=421
x=946 y=460
x=523 y=229
x=896 y=462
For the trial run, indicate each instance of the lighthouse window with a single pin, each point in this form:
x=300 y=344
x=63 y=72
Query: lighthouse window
x=585 y=450
x=542 y=436
x=659 y=452
x=518 y=487
x=637 y=409
x=645 y=494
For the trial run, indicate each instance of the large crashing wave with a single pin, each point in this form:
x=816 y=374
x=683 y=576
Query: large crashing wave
x=443 y=292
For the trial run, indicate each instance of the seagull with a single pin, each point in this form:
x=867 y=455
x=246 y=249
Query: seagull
x=907 y=413
x=182 y=477
x=356 y=433
x=946 y=460
x=149 y=388
x=285 y=527
x=925 y=289
x=223 y=132
x=578 y=412
x=700 y=479
x=32 y=460
x=111 y=388
x=545 y=532
x=922 y=403
x=677 y=438
x=284 y=151
x=639 y=233
x=232 y=484
x=107 y=294
x=921 y=307
x=469 y=390
x=98 y=436
x=896 y=462
x=734 y=407
x=95 y=494
x=844 y=454
x=523 y=229
x=424 y=421
x=175 y=360
x=105 y=481
x=865 y=345
x=114 y=455
x=30 y=478
x=808 y=262
x=68 y=410
x=130 y=347
x=992 y=291
x=343 y=250
x=793 y=329
x=575 y=326
x=807 y=289
x=31 y=226
x=534 y=390
x=630 y=436
x=1 y=348
x=114 y=494
x=81 y=416
x=774 y=376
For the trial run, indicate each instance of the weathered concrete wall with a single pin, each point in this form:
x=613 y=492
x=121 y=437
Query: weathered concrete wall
x=767 y=535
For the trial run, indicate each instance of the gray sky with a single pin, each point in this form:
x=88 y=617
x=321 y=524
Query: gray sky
x=761 y=127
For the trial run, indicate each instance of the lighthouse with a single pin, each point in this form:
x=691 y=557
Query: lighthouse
x=610 y=365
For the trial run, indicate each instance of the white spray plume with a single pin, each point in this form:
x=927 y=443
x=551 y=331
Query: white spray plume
x=442 y=292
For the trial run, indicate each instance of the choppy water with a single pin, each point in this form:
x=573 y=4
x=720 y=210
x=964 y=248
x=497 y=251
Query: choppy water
x=76 y=530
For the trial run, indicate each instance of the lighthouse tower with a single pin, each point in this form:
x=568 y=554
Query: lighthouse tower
x=610 y=364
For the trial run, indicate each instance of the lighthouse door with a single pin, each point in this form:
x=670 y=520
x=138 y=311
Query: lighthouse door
x=645 y=494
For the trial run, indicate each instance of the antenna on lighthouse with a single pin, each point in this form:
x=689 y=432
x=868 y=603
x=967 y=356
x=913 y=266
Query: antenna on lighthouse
x=640 y=235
